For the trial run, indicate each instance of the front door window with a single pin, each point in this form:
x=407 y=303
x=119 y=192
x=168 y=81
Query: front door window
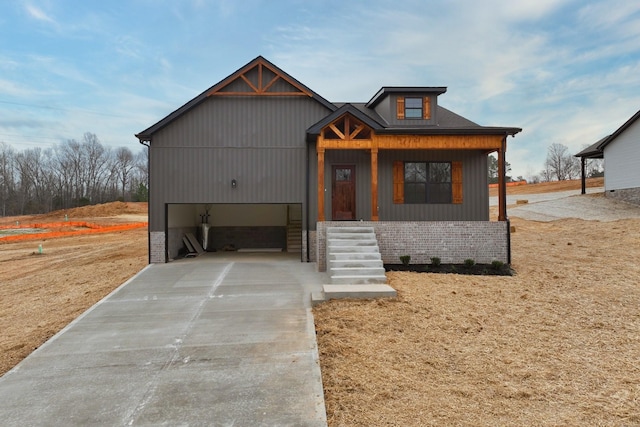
x=343 y=199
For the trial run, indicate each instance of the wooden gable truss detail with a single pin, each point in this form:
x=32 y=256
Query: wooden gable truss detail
x=347 y=128
x=260 y=79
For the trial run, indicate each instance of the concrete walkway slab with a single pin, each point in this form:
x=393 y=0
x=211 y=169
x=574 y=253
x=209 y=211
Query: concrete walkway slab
x=593 y=206
x=221 y=340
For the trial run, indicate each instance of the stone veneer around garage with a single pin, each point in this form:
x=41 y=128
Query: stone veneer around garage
x=451 y=241
x=629 y=195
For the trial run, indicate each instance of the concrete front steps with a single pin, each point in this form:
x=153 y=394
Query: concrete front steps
x=353 y=256
x=354 y=265
x=352 y=291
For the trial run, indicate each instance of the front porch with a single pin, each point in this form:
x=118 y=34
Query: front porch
x=451 y=241
x=352 y=131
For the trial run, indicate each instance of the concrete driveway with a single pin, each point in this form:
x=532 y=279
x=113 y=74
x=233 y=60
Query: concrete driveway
x=220 y=340
x=593 y=206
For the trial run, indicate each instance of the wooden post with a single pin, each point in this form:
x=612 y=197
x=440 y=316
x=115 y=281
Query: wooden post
x=583 y=161
x=374 y=184
x=502 y=184
x=320 y=184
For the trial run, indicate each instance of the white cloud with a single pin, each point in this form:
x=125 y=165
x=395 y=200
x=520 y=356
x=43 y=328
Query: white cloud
x=13 y=89
x=38 y=14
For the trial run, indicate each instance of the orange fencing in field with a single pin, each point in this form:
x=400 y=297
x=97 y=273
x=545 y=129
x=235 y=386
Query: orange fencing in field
x=510 y=184
x=88 y=228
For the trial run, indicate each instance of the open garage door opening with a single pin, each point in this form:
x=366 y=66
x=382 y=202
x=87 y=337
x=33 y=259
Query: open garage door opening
x=234 y=227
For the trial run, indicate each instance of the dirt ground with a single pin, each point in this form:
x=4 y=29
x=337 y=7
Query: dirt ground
x=556 y=344
x=42 y=293
x=548 y=187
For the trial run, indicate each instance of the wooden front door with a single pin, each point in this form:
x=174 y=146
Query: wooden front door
x=343 y=193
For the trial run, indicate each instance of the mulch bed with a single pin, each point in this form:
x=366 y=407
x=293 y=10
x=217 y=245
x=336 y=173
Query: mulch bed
x=475 y=270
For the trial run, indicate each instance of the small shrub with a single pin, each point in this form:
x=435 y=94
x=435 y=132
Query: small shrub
x=469 y=263
x=435 y=261
x=497 y=265
x=405 y=259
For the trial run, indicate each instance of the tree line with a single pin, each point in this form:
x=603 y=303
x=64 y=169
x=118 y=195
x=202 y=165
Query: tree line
x=559 y=165
x=71 y=174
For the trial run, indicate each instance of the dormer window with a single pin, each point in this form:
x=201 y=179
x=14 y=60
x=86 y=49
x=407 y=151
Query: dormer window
x=413 y=107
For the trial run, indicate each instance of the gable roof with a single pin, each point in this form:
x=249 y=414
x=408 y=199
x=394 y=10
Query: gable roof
x=314 y=130
x=261 y=88
x=596 y=150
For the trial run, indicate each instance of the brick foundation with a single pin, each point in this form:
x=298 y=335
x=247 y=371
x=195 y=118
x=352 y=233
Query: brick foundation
x=312 y=246
x=156 y=247
x=451 y=241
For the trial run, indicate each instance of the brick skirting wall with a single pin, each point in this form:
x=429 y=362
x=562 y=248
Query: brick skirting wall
x=451 y=241
x=629 y=195
x=156 y=247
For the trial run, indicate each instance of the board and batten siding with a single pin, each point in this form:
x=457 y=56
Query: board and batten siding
x=258 y=141
x=475 y=191
x=622 y=160
x=474 y=207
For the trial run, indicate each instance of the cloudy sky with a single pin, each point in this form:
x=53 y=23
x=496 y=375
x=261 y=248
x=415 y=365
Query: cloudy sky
x=566 y=71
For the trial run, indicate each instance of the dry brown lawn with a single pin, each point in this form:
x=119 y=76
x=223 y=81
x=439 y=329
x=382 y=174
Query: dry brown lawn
x=556 y=344
x=41 y=293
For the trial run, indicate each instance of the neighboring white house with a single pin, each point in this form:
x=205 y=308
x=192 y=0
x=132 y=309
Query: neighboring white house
x=621 y=153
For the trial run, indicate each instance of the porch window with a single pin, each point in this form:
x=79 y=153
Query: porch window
x=427 y=182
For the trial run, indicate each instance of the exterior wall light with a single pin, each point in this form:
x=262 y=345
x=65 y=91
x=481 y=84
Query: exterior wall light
x=234 y=183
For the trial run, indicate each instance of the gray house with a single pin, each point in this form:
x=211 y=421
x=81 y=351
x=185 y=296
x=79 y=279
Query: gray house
x=266 y=162
x=621 y=154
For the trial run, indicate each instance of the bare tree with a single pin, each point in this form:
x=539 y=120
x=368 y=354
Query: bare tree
x=36 y=180
x=97 y=161
x=7 y=178
x=124 y=163
x=142 y=164
x=140 y=184
x=560 y=163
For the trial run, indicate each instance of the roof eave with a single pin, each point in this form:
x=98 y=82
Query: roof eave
x=501 y=131
x=481 y=130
